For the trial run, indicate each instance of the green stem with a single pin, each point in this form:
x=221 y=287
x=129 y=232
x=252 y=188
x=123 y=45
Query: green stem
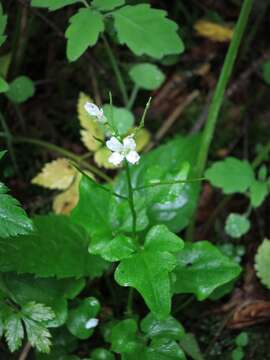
x=8 y=137
x=133 y=97
x=131 y=201
x=218 y=97
x=116 y=69
x=166 y=183
x=130 y=302
x=54 y=148
x=261 y=156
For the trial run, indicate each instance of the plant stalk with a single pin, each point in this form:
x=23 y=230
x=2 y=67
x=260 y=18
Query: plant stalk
x=131 y=201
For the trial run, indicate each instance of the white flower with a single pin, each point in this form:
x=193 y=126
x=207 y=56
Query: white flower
x=94 y=110
x=91 y=323
x=121 y=151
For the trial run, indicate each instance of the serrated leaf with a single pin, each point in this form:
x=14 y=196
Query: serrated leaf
x=57 y=174
x=169 y=328
x=258 y=193
x=147 y=76
x=38 y=335
x=79 y=317
x=232 y=175
x=122 y=119
x=66 y=201
x=213 y=31
x=201 y=268
x=83 y=31
x=237 y=225
x=20 y=89
x=123 y=336
x=14 y=332
x=37 y=312
x=3 y=85
x=147 y=31
x=57 y=248
x=53 y=4
x=262 y=263
x=3 y=24
x=106 y=5
x=13 y=219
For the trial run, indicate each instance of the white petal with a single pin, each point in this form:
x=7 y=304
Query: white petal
x=93 y=109
x=91 y=323
x=114 y=144
x=116 y=158
x=129 y=143
x=133 y=157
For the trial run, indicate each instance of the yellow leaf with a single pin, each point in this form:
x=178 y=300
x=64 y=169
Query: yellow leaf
x=89 y=140
x=58 y=174
x=101 y=158
x=213 y=31
x=142 y=139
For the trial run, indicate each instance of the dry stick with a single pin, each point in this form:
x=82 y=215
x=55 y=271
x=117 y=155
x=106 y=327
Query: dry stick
x=172 y=118
x=25 y=351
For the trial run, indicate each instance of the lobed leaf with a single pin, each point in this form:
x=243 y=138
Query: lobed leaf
x=20 y=89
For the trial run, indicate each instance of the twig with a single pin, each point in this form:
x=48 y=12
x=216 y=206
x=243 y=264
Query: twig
x=25 y=351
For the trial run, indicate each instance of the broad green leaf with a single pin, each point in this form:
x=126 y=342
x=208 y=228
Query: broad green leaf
x=266 y=72
x=3 y=24
x=242 y=339
x=14 y=332
x=3 y=85
x=102 y=354
x=38 y=335
x=79 y=318
x=123 y=336
x=20 y=89
x=57 y=248
x=38 y=312
x=262 y=263
x=238 y=354
x=121 y=119
x=117 y=249
x=190 y=345
x=201 y=268
x=147 y=31
x=83 y=31
x=171 y=204
x=13 y=219
x=147 y=76
x=237 y=225
x=232 y=175
x=161 y=238
x=258 y=193
x=164 y=349
x=53 y=4
x=169 y=328
x=106 y=5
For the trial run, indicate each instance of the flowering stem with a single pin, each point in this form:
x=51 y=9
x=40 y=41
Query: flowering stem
x=116 y=70
x=131 y=201
x=133 y=97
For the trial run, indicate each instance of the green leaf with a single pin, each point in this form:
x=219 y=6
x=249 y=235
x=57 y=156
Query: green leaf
x=232 y=175
x=122 y=119
x=147 y=31
x=148 y=271
x=242 y=339
x=58 y=248
x=161 y=238
x=266 y=72
x=102 y=354
x=38 y=312
x=106 y=5
x=13 y=219
x=262 y=263
x=164 y=349
x=171 y=204
x=79 y=317
x=38 y=335
x=3 y=85
x=3 y=24
x=262 y=173
x=147 y=76
x=53 y=4
x=2 y=154
x=258 y=193
x=83 y=31
x=190 y=345
x=201 y=268
x=20 y=89
x=14 y=332
x=237 y=225
x=238 y=354
x=117 y=249
x=123 y=336
x=169 y=328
